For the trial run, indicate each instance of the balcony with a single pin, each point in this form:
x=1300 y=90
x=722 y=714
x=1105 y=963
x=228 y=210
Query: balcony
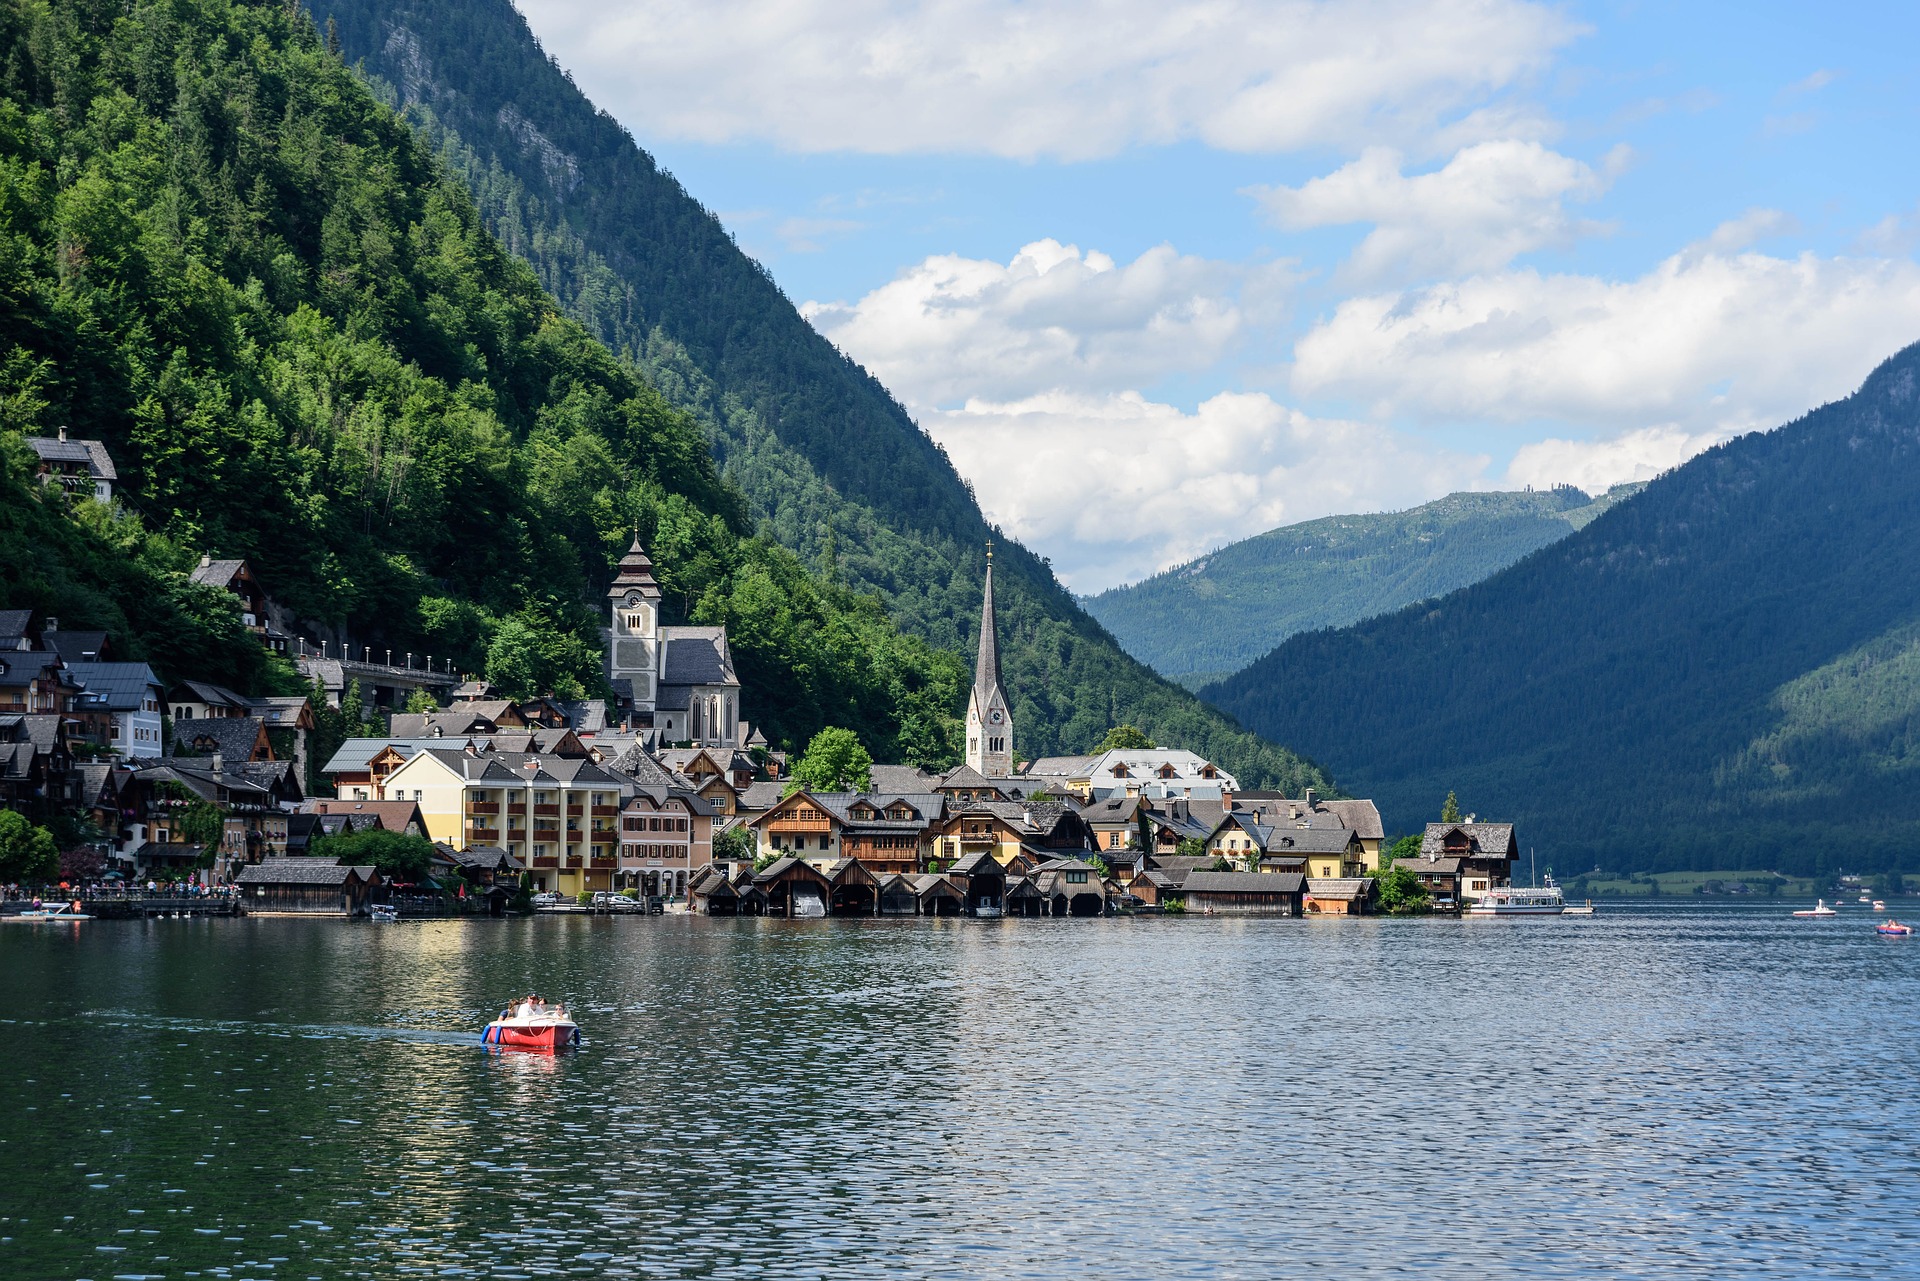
x=483 y=835
x=546 y=811
x=605 y=811
x=518 y=807
x=544 y=833
x=607 y=862
x=483 y=807
x=546 y=860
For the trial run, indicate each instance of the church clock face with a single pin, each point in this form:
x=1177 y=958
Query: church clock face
x=994 y=716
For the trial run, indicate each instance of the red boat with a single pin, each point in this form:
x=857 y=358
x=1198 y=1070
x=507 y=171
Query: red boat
x=533 y=1025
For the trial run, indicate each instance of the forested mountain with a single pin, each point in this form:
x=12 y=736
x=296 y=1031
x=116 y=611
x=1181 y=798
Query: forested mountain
x=1722 y=671
x=227 y=259
x=832 y=466
x=1202 y=621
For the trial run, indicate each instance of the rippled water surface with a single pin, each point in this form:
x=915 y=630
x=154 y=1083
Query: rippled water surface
x=1663 y=1091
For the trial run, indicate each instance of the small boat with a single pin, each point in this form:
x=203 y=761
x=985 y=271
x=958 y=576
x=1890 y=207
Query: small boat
x=1864 y=898
x=532 y=1025
x=1578 y=909
x=65 y=912
x=1893 y=929
x=386 y=912
x=1879 y=905
x=1819 y=909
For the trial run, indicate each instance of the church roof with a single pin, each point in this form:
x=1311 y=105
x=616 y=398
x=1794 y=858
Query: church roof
x=986 y=669
x=635 y=574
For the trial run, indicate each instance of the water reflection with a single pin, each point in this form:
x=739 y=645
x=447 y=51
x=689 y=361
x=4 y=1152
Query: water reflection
x=1667 y=1092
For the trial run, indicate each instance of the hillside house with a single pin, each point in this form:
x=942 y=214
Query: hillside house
x=81 y=467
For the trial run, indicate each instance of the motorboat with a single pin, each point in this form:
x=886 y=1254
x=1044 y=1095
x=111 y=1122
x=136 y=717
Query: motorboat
x=1879 y=905
x=532 y=1024
x=1512 y=900
x=385 y=912
x=1820 y=908
x=1893 y=929
x=1578 y=909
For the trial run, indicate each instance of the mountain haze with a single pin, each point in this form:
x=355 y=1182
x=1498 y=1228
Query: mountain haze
x=1722 y=671
x=832 y=466
x=1202 y=621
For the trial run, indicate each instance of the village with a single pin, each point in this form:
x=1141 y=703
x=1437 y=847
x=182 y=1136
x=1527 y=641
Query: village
x=663 y=796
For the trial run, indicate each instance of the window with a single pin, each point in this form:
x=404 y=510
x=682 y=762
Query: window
x=1076 y=878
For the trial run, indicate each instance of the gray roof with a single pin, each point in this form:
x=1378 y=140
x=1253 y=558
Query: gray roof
x=1243 y=883
x=217 y=572
x=210 y=694
x=1344 y=887
x=91 y=452
x=1485 y=840
x=1061 y=766
x=302 y=871
x=1430 y=866
x=75 y=647
x=986 y=663
x=762 y=794
x=358 y=753
x=14 y=623
x=901 y=778
x=643 y=769
x=23 y=667
x=234 y=737
x=695 y=656
x=1309 y=840
x=123 y=686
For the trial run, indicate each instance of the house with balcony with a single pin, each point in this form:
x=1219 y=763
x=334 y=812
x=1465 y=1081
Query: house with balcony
x=1486 y=853
x=258 y=613
x=133 y=699
x=557 y=815
x=80 y=467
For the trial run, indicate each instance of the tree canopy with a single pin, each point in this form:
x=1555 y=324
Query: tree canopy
x=835 y=761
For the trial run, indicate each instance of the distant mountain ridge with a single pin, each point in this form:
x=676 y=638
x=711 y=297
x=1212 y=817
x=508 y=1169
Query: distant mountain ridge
x=1203 y=621
x=1721 y=671
x=834 y=467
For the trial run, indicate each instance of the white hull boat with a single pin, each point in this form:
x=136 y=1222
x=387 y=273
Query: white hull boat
x=1820 y=908
x=1511 y=900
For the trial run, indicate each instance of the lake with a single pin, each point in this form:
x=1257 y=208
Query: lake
x=1661 y=1090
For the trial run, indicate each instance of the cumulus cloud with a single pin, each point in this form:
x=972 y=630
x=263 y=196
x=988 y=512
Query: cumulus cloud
x=1116 y=487
x=1492 y=202
x=1707 y=341
x=1598 y=465
x=1053 y=317
x=1071 y=80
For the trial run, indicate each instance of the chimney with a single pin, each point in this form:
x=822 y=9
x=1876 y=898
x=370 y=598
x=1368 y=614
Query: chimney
x=219 y=763
x=1310 y=798
x=63 y=434
x=206 y=561
x=53 y=625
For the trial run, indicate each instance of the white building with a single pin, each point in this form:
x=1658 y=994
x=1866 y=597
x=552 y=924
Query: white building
x=677 y=681
x=133 y=695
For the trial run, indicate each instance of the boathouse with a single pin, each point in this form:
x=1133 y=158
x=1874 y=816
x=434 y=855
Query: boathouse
x=795 y=888
x=1243 y=893
x=306 y=887
x=1338 y=896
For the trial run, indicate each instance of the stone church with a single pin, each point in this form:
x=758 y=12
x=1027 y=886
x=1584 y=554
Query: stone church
x=677 y=681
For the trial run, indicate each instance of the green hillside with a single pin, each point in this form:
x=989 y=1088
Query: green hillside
x=227 y=259
x=1722 y=671
x=1205 y=620
x=832 y=466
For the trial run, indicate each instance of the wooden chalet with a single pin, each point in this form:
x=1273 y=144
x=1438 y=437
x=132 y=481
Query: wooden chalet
x=1487 y=852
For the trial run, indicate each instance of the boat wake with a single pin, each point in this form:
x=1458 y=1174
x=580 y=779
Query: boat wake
x=291 y=1031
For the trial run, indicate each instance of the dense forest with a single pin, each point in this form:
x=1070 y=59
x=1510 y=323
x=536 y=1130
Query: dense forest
x=1721 y=672
x=1201 y=622
x=832 y=467
x=224 y=257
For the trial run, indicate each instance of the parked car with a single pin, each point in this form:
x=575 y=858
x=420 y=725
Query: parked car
x=622 y=903
x=548 y=899
x=655 y=905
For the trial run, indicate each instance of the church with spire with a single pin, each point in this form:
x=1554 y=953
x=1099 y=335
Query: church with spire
x=989 y=718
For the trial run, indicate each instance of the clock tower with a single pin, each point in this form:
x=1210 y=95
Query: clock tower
x=989 y=719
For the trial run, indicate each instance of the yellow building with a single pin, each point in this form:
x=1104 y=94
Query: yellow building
x=559 y=816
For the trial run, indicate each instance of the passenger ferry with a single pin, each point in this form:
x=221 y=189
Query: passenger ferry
x=1511 y=900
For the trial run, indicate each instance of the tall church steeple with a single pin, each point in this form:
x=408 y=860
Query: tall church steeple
x=989 y=719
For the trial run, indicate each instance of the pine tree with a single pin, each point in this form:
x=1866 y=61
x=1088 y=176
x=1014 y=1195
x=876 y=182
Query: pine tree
x=1450 y=812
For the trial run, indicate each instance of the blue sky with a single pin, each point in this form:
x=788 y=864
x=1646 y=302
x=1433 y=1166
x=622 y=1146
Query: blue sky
x=1164 y=275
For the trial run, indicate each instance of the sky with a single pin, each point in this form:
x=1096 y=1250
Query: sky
x=1163 y=274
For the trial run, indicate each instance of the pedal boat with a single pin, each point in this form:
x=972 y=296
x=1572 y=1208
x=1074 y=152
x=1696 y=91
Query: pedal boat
x=546 y=1030
x=1893 y=929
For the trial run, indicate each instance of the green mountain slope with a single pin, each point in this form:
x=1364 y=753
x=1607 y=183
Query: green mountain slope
x=224 y=257
x=833 y=467
x=1199 y=622
x=1720 y=671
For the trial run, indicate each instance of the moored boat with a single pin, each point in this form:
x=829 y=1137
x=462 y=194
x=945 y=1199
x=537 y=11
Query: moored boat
x=1893 y=929
x=1513 y=900
x=1820 y=908
x=532 y=1024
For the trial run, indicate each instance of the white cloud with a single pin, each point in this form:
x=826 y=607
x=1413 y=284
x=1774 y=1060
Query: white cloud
x=1116 y=487
x=1071 y=79
x=1492 y=202
x=1597 y=465
x=1706 y=341
x=951 y=328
